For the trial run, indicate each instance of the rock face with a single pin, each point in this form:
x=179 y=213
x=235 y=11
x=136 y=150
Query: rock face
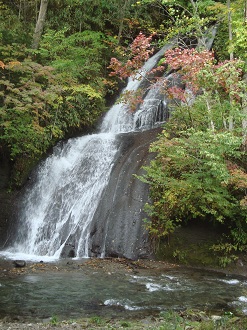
x=4 y=217
x=6 y=203
x=117 y=229
x=68 y=251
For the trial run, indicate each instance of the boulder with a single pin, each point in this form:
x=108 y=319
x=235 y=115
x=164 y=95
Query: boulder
x=19 y=263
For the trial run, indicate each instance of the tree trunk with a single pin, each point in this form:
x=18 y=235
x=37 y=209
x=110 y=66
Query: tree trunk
x=40 y=24
x=231 y=125
x=120 y=30
x=244 y=99
x=210 y=118
x=245 y=12
x=230 y=28
x=244 y=120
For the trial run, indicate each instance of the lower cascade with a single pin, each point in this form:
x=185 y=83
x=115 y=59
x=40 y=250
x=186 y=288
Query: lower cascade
x=84 y=200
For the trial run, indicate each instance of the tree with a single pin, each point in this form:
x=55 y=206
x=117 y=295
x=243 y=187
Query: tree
x=192 y=177
x=244 y=121
x=216 y=84
x=230 y=28
x=139 y=52
x=38 y=106
x=122 y=11
x=187 y=21
x=40 y=24
x=197 y=176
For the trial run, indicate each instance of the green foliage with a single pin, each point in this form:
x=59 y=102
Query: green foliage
x=220 y=45
x=24 y=107
x=97 y=320
x=226 y=252
x=191 y=178
x=82 y=56
x=239 y=31
x=185 y=21
x=179 y=255
x=125 y=324
x=38 y=107
x=167 y=320
x=13 y=31
x=102 y=15
x=198 y=116
x=48 y=93
x=172 y=320
x=80 y=15
x=54 y=320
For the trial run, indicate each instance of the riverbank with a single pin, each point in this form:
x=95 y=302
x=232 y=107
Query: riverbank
x=108 y=265
x=189 y=320
x=194 y=321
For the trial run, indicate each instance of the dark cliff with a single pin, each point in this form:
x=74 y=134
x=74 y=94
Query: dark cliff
x=117 y=229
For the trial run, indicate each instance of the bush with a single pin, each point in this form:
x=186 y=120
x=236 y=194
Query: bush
x=197 y=175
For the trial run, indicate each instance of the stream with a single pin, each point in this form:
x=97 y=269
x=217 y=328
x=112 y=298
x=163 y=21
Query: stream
x=80 y=293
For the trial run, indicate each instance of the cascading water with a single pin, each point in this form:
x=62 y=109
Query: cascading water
x=60 y=213
x=65 y=197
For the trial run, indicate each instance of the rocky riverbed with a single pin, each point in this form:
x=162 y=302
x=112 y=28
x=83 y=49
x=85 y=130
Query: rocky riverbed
x=108 y=265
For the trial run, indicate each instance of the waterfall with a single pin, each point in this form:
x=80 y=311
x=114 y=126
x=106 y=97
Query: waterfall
x=64 y=212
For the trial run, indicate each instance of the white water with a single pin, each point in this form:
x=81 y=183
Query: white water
x=119 y=119
x=63 y=200
x=69 y=184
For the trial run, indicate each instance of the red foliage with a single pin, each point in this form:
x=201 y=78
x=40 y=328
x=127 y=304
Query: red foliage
x=229 y=74
x=196 y=68
x=188 y=59
x=133 y=99
x=140 y=52
x=175 y=92
x=190 y=63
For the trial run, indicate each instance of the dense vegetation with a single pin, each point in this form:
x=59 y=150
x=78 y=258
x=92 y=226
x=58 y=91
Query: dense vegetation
x=55 y=82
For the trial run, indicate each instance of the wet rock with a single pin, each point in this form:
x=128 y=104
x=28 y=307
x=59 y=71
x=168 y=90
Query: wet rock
x=19 y=263
x=216 y=318
x=68 y=251
x=117 y=228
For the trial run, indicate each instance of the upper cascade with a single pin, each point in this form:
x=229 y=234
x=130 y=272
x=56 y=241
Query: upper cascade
x=119 y=119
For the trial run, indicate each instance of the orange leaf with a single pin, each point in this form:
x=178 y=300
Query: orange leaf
x=13 y=63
